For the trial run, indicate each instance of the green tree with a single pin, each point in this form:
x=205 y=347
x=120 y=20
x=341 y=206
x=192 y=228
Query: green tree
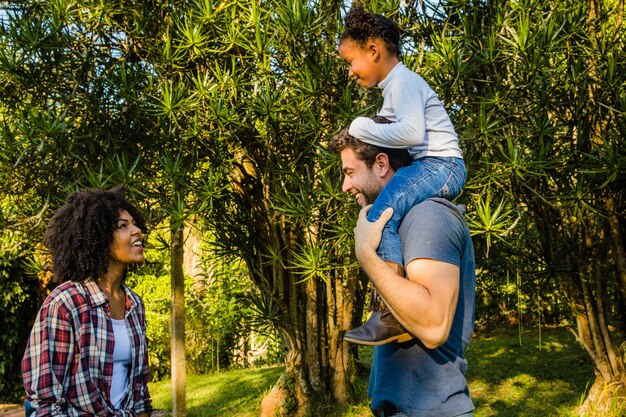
x=200 y=107
x=538 y=93
x=21 y=293
x=267 y=85
x=85 y=106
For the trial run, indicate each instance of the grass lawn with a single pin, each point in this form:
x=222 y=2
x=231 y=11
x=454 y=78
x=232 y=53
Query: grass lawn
x=234 y=393
x=532 y=380
x=505 y=379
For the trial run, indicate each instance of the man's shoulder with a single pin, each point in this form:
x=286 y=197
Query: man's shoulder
x=435 y=229
x=436 y=206
x=435 y=218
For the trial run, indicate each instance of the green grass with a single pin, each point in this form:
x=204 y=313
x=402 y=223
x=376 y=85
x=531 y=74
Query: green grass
x=234 y=393
x=505 y=379
x=531 y=380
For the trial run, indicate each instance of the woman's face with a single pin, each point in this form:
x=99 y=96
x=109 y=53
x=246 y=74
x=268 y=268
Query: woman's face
x=127 y=246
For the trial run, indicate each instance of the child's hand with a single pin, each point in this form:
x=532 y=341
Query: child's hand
x=367 y=234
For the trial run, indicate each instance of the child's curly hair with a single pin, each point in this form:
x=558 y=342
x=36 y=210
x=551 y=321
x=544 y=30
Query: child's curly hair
x=361 y=26
x=80 y=233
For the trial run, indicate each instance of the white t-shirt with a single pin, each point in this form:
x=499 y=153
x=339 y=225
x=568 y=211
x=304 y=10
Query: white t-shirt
x=420 y=122
x=121 y=362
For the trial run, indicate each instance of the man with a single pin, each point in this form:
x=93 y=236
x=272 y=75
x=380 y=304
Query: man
x=425 y=376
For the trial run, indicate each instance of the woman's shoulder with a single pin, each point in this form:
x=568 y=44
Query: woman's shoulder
x=68 y=294
x=65 y=288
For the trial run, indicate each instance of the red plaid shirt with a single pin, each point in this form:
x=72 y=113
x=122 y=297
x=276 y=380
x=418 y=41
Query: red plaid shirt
x=68 y=363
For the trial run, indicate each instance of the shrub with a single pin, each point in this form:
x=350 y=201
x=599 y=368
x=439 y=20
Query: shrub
x=21 y=293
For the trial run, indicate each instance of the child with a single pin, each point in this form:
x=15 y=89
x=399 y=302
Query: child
x=370 y=45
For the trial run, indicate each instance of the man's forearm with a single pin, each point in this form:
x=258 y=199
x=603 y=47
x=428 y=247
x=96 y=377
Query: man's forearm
x=425 y=302
x=402 y=297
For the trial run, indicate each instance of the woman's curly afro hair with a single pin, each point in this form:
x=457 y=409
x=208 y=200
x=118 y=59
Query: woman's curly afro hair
x=80 y=233
x=361 y=26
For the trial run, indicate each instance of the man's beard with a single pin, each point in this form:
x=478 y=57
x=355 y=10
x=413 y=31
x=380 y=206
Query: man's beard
x=369 y=194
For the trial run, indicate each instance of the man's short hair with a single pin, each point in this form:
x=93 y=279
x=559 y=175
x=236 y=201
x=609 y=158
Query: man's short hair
x=366 y=152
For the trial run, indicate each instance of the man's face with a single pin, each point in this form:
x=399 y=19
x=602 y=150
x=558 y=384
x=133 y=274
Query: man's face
x=359 y=180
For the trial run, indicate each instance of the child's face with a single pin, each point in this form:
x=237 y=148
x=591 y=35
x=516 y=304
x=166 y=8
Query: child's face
x=362 y=62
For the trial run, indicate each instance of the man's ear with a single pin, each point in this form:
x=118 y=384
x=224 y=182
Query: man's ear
x=382 y=166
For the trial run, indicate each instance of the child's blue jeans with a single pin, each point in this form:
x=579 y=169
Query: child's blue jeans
x=424 y=178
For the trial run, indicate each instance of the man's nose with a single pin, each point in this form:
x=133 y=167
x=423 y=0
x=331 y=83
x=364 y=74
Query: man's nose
x=345 y=187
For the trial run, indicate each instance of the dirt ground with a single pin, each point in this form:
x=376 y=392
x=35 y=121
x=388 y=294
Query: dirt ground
x=16 y=410
x=11 y=410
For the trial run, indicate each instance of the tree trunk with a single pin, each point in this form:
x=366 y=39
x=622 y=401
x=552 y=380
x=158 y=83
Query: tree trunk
x=317 y=361
x=617 y=244
x=192 y=257
x=311 y=312
x=593 y=332
x=314 y=316
x=577 y=253
x=609 y=387
x=178 y=322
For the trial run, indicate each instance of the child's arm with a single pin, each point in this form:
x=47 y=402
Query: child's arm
x=408 y=105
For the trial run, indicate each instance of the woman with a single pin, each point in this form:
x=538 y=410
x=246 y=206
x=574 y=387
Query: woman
x=87 y=352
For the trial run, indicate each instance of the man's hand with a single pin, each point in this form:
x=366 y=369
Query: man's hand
x=367 y=234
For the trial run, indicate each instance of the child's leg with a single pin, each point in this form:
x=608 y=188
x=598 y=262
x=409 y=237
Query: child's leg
x=424 y=178
x=381 y=327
